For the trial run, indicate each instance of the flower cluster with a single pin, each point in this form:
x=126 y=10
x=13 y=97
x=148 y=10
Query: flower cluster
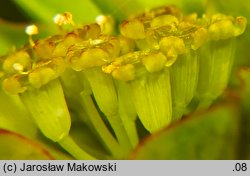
x=161 y=61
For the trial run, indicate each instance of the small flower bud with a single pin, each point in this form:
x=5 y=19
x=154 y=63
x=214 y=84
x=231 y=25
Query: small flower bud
x=90 y=58
x=199 y=38
x=223 y=29
x=13 y=85
x=63 y=46
x=176 y=43
x=133 y=29
x=240 y=25
x=41 y=76
x=124 y=73
x=44 y=48
x=172 y=46
x=154 y=61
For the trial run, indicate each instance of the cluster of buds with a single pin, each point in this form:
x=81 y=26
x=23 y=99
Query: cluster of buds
x=161 y=61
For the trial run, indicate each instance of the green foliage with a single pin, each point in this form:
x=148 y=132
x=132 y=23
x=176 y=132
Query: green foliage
x=192 y=138
x=12 y=146
x=11 y=35
x=44 y=10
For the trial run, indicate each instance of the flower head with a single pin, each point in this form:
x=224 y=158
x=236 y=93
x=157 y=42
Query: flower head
x=160 y=62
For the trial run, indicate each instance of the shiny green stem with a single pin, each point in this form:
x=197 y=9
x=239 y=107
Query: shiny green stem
x=120 y=132
x=100 y=126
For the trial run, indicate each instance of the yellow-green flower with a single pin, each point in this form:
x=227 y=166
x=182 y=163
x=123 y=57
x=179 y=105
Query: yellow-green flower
x=161 y=66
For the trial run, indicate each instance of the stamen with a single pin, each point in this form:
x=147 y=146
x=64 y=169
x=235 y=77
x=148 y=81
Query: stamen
x=64 y=18
x=31 y=30
x=18 y=67
x=101 y=19
x=106 y=23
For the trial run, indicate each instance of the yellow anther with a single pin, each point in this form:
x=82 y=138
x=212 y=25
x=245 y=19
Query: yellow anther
x=96 y=41
x=101 y=19
x=172 y=46
x=106 y=23
x=68 y=16
x=90 y=58
x=31 y=30
x=64 y=18
x=59 y=19
x=109 y=68
x=18 y=67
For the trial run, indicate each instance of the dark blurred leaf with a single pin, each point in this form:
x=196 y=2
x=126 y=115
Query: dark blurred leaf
x=210 y=135
x=14 y=146
x=189 y=6
x=86 y=139
x=84 y=11
x=42 y=13
x=245 y=81
x=53 y=148
x=244 y=151
x=11 y=35
x=120 y=10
